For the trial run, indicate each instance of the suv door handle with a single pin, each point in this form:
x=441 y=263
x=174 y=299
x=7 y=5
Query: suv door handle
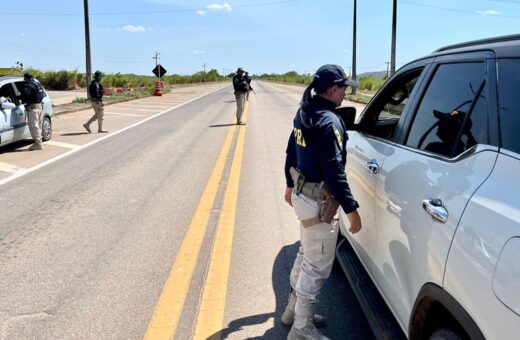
x=372 y=166
x=436 y=209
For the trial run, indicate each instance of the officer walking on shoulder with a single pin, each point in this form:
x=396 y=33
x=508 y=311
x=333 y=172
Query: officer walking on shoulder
x=316 y=187
x=241 y=87
x=96 y=96
x=32 y=96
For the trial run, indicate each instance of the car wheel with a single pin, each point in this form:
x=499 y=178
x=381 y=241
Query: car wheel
x=445 y=334
x=46 y=129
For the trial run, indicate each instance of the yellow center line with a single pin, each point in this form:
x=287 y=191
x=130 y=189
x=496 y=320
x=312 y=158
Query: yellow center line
x=213 y=302
x=167 y=313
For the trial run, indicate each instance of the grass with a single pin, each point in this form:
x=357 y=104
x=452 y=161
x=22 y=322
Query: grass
x=123 y=96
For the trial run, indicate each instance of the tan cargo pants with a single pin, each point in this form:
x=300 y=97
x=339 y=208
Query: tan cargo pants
x=34 y=120
x=241 y=99
x=99 y=113
x=315 y=257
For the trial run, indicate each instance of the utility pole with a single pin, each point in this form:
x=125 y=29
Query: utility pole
x=87 y=46
x=354 y=75
x=394 y=29
x=204 y=74
x=157 y=62
x=387 y=69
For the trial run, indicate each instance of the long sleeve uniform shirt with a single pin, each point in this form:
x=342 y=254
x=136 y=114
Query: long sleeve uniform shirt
x=317 y=148
x=96 y=90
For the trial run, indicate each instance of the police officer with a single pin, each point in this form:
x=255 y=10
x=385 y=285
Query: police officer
x=96 y=96
x=316 y=186
x=32 y=96
x=249 y=87
x=241 y=87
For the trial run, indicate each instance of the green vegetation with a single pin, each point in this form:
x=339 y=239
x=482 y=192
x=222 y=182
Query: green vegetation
x=68 y=80
x=291 y=77
x=359 y=98
x=140 y=93
x=369 y=84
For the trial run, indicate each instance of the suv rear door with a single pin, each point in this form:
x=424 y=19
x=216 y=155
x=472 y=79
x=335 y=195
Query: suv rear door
x=428 y=176
x=12 y=121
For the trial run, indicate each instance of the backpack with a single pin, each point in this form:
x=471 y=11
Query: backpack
x=39 y=94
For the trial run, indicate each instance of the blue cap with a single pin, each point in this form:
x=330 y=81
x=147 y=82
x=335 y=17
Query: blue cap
x=329 y=75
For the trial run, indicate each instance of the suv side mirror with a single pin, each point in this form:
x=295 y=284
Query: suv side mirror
x=348 y=116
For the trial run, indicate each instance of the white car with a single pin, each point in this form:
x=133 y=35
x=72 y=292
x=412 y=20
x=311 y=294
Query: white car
x=13 y=118
x=434 y=162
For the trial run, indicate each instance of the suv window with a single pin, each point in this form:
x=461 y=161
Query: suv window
x=452 y=116
x=508 y=90
x=386 y=112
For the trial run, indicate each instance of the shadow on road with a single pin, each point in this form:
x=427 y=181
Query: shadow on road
x=345 y=319
x=13 y=147
x=280 y=280
x=221 y=125
x=74 y=134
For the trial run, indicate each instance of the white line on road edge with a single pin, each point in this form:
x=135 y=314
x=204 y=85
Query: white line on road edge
x=63 y=145
x=68 y=153
x=12 y=169
x=123 y=114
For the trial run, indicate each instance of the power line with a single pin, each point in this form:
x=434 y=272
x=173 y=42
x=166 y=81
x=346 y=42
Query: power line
x=461 y=10
x=3 y=13
x=13 y=46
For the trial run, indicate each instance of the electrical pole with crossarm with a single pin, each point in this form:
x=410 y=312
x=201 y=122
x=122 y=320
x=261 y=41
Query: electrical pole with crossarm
x=87 y=47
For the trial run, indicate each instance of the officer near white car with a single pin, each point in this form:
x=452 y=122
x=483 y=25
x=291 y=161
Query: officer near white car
x=32 y=96
x=316 y=187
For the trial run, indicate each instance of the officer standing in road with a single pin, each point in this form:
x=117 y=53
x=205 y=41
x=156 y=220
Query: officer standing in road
x=96 y=96
x=316 y=187
x=32 y=96
x=241 y=87
x=249 y=87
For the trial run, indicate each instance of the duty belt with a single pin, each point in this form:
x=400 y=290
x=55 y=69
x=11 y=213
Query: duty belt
x=309 y=189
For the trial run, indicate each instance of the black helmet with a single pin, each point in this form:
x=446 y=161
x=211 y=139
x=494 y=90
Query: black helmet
x=98 y=74
x=27 y=76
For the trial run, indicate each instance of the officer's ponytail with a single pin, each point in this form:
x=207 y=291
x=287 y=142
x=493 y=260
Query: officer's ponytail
x=307 y=96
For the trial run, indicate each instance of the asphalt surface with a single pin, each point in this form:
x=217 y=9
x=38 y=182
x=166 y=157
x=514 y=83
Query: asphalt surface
x=88 y=241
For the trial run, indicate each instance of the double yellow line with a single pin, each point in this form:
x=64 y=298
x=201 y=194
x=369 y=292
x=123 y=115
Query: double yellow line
x=211 y=309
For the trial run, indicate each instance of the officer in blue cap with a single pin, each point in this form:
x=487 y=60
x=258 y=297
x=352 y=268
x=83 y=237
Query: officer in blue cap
x=316 y=187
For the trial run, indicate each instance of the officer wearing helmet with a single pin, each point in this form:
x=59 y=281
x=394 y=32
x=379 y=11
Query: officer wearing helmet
x=32 y=96
x=241 y=87
x=96 y=96
x=316 y=187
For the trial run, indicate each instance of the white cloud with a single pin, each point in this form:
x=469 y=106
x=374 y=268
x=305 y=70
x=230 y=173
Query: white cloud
x=220 y=7
x=489 y=12
x=201 y=12
x=132 y=28
x=199 y=52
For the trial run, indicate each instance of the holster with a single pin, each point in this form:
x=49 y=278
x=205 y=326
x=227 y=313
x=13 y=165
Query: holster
x=298 y=179
x=328 y=205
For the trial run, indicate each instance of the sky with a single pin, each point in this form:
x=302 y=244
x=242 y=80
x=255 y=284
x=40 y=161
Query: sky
x=263 y=36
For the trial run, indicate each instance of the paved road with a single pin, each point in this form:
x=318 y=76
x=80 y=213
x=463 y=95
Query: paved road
x=98 y=244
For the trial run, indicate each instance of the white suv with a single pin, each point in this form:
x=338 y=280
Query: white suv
x=13 y=118
x=434 y=162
